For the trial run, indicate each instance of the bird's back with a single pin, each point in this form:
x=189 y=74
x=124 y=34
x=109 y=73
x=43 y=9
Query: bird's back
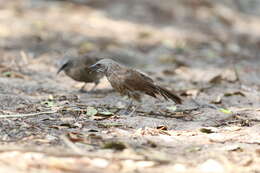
x=133 y=83
x=127 y=81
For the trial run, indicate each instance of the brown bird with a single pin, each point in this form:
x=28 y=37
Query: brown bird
x=130 y=82
x=78 y=69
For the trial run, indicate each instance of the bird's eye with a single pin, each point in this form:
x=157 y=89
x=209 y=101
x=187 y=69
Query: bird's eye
x=98 y=65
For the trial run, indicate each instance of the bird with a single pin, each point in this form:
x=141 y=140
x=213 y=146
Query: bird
x=130 y=82
x=77 y=66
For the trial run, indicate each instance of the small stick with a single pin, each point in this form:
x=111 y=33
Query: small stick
x=237 y=75
x=204 y=105
x=133 y=111
x=27 y=115
x=71 y=145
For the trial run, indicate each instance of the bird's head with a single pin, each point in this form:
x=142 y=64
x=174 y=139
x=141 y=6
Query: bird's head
x=102 y=66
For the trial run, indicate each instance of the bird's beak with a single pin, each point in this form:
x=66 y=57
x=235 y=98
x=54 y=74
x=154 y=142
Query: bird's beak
x=92 y=68
x=60 y=69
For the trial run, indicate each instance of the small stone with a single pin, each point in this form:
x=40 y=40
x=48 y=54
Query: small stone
x=211 y=166
x=232 y=148
x=145 y=164
x=179 y=168
x=101 y=163
x=216 y=137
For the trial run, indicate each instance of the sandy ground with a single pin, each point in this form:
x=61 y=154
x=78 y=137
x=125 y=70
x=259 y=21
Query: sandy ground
x=205 y=51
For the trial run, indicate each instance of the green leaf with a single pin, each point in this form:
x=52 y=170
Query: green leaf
x=50 y=97
x=207 y=130
x=7 y=73
x=172 y=108
x=194 y=149
x=106 y=113
x=114 y=145
x=48 y=103
x=225 y=111
x=91 y=111
x=109 y=125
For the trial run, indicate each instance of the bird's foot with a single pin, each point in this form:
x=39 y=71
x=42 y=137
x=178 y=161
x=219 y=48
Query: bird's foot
x=93 y=88
x=129 y=111
x=129 y=105
x=133 y=111
x=82 y=89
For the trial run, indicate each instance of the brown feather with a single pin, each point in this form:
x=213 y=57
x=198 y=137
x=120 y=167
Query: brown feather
x=133 y=80
x=133 y=83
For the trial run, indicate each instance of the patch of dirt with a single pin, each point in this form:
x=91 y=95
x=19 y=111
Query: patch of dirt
x=205 y=51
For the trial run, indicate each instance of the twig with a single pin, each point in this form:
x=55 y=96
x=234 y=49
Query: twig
x=71 y=145
x=237 y=75
x=27 y=115
x=204 y=105
x=133 y=111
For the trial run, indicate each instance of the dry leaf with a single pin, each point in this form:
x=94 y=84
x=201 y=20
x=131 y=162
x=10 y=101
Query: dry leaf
x=217 y=100
x=235 y=93
x=216 y=80
x=114 y=145
x=75 y=137
x=208 y=130
x=162 y=127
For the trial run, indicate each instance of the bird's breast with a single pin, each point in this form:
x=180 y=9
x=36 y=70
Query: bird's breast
x=116 y=83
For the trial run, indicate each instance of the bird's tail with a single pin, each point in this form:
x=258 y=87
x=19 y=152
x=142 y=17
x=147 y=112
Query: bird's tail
x=169 y=95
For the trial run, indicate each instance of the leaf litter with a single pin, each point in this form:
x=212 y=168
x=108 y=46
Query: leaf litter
x=47 y=125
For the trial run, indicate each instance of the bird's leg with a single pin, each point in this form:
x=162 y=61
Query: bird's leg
x=129 y=105
x=82 y=88
x=128 y=108
x=133 y=111
x=95 y=85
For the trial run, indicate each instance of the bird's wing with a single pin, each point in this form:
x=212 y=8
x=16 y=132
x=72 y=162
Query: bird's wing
x=143 y=75
x=137 y=81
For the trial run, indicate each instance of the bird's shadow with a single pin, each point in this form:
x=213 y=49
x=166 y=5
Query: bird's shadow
x=97 y=91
